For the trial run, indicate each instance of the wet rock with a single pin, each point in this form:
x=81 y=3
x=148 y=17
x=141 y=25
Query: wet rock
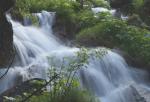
x=6 y=33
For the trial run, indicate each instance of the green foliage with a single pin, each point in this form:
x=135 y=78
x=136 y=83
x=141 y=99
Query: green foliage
x=85 y=19
x=68 y=12
x=114 y=32
x=39 y=5
x=32 y=6
x=20 y=9
x=106 y=30
x=74 y=95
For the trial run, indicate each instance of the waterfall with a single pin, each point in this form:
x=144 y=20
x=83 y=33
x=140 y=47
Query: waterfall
x=109 y=78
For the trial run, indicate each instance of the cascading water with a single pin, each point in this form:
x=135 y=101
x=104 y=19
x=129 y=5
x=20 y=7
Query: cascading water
x=108 y=78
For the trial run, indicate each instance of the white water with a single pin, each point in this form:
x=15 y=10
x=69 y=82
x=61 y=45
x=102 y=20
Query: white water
x=108 y=78
x=102 y=9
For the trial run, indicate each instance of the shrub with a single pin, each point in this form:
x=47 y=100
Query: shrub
x=114 y=32
x=102 y=33
x=64 y=7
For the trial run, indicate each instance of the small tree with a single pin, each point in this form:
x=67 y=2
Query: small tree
x=63 y=84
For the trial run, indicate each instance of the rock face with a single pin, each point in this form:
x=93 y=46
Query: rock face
x=6 y=33
x=5 y=5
